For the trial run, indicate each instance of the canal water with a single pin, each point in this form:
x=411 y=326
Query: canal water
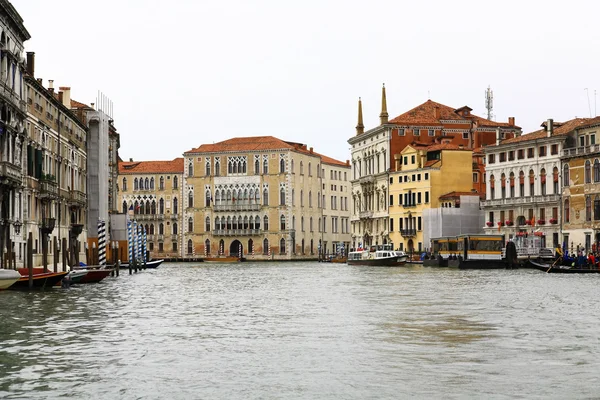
x=305 y=331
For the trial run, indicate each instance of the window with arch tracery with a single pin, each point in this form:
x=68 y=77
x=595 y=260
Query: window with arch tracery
x=190 y=169
x=282 y=222
x=175 y=205
x=175 y=230
x=190 y=224
x=161 y=183
x=124 y=184
x=282 y=246
x=207 y=224
x=135 y=184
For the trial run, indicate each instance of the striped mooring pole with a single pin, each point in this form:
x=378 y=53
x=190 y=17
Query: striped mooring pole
x=130 y=242
x=101 y=242
x=241 y=254
x=139 y=243
x=135 y=244
x=145 y=244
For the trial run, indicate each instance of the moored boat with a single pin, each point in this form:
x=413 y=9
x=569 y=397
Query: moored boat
x=41 y=279
x=377 y=256
x=95 y=273
x=149 y=264
x=468 y=252
x=8 y=277
x=560 y=269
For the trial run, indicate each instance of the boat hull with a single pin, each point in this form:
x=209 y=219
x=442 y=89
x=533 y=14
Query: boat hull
x=8 y=277
x=380 y=262
x=41 y=280
x=560 y=269
x=221 y=260
x=149 y=264
x=477 y=264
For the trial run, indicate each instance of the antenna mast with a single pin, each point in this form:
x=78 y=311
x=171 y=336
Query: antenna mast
x=489 y=103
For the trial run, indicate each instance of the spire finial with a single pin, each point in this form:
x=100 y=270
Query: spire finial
x=360 y=128
x=383 y=117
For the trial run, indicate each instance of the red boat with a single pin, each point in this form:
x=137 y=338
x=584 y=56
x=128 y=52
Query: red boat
x=94 y=273
x=41 y=279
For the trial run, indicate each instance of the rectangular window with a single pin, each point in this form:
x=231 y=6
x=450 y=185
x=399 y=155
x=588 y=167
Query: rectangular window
x=426 y=197
x=416 y=131
x=401 y=132
x=419 y=223
x=491 y=158
x=554 y=149
x=412 y=159
x=400 y=199
x=465 y=135
x=511 y=155
x=391 y=200
x=405 y=160
x=475 y=177
x=391 y=224
x=592 y=139
x=430 y=132
x=520 y=154
x=419 y=198
x=530 y=152
x=502 y=157
x=542 y=151
x=426 y=175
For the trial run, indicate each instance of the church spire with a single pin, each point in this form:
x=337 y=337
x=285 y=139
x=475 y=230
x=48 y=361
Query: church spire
x=360 y=128
x=383 y=117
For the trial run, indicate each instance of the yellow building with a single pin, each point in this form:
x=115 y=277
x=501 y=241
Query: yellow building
x=422 y=175
x=153 y=191
x=264 y=197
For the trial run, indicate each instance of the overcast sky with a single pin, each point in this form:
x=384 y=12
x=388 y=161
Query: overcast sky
x=185 y=72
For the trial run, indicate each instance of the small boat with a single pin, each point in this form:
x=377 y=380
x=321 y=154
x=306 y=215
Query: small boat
x=94 y=273
x=73 y=277
x=378 y=256
x=41 y=279
x=339 y=260
x=468 y=252
x=221 y=259
x=560 y=269
x=149 y=264
x=8 y=277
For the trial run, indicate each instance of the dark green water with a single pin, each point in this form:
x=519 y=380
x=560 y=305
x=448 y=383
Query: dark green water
x=305 y=330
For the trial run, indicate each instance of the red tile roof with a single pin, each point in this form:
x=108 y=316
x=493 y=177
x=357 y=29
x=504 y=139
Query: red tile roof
x=454 y=195
x=446 y=146
x=424 y=114
x=76 y=104
x=259 y=143
x=151 y=167
x=560 y=128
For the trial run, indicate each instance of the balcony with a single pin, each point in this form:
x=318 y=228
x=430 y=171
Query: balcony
x=408 y=232
x=77 y=198
x=410 y=205
x=48 y=188
x=528 y=200
x=578 y=151
x=369 y=179
x=236 y=232
x=48 y=225
x=144 y=217
x=236 y=207
x=10 y=174
x=366 y=214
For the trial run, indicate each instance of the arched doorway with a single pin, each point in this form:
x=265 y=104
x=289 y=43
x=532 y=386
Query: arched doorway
x=410 y=246
x=236 y=249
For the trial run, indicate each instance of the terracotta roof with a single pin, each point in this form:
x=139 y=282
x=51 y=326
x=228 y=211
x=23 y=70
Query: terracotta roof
x=454 y=195
x=446 y=146
x=149 y=167
x=424 y=114
x=76 y=104
x=260 y=143
x=560 y=128
x=431 y=163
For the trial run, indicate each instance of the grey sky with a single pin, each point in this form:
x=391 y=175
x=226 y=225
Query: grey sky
x=181 y=73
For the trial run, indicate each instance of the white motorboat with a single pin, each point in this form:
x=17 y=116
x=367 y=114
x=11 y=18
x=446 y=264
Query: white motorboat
x=8 y=277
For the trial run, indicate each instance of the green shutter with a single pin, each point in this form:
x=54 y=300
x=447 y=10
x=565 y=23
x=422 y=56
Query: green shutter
x=38 y=163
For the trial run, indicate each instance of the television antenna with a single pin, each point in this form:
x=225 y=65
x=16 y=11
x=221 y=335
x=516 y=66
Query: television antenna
x=489 y=102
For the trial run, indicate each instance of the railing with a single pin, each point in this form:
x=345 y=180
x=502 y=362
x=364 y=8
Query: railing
x=144 y=217
x=408 y=232
x=548 y=198
x=411 y=205
x=48 y=189
x=575 y=151
x=236 y=232
x=78 y=197
x=11 y=172
x=236 y=207
x=366 y=214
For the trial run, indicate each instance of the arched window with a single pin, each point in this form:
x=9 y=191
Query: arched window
x=152 y=229
x=190 y=247
x=596 y=208
x=234 y=224
x=207 y=224
x=265 y=165
x=292 y=166
x=301 y=168
x=153 y=207
x=302 y=224
x=512 y=184
x=310 y=224
x=301 y=198
x=161 y=183
x=588 y=208
x=596 y=171
x=282 y=196
x=190 y=169
x=531 y=183
x=266 y=197
x=250 y=246
x=175 y=182
x=152 y=183
x=266 y=223
x=217 y=167
x=147 y=229
x=208 y=168
x=256 y=222
x=229 y=223
x=503 y=185
x=175 y=206
x=521 y=183
x=141 y=208
x=266 y=247
x=312 y=251
x=282 y=246
x=492 y=192
x=175 y=230
x=246 y=222
x=555 y=180
x=310 y=198
x=161 y=206
x=135 y=184
x=281 y=166
x=124 y=207
x=244 y=166
x=566 y=179
x=245 y=195
x=161 y=229
x=146 y=184
x=588 y=172
x=567 y=211
x=293 y=222
x=309 y=169
x=124 y=184
x=543 y=181
x=256 y=167
x=136 y=207
x=190 y=224
x=282 y=222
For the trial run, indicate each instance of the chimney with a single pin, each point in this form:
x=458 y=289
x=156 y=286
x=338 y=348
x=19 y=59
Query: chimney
x=60 y=96
x=397 y=160
x=511 y=121
x=51 y=84
x=497 y=136
x=39 y=80
x=383 y=117
x=311 y=150
x=131 y=160
x=31 y=63
x=347 y=163
x=550 y=127
x=92 y=105
x=436 y=112
x=66 y=96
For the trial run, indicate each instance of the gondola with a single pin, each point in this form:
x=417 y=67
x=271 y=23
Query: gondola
x=560 y=269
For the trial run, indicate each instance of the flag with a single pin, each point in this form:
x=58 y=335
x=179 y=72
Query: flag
x=233 y=199
x=532 y=220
